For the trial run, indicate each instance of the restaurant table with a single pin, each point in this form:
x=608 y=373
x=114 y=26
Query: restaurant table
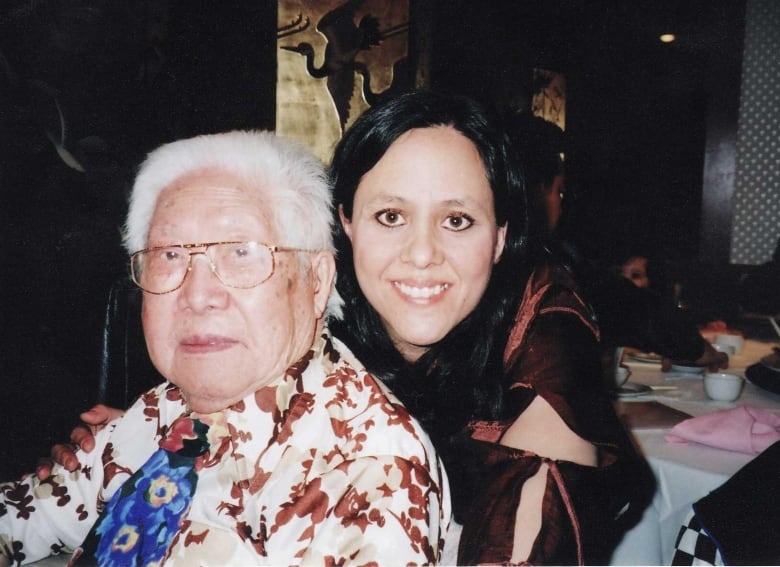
x=684 y=473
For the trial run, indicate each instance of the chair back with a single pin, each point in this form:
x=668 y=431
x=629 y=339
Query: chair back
x=125 y=368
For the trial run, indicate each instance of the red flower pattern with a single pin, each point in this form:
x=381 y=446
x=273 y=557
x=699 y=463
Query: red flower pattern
x=326 y=450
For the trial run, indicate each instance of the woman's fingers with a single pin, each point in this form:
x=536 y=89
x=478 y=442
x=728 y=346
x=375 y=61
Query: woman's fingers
x=95 y=419
x=81 y=437
x=65 y=454
x=43 y=468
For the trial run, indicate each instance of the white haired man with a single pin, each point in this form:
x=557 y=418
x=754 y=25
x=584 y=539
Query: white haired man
x=269 y=443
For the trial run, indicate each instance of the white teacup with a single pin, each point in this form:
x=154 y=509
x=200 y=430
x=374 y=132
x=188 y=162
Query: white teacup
x=728 y=349
x=722 y=386
x=727 y=340
x=622 y=374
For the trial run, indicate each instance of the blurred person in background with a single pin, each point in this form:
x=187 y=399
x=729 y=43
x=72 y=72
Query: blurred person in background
x=759 y=290
x=627 y=315
x=634 y=269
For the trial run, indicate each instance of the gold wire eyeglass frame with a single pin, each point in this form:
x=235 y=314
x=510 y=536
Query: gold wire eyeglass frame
x=273 y=249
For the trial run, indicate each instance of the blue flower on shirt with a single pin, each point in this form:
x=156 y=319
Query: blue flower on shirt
x=146 y=510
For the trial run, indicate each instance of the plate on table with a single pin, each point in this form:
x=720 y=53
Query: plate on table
x=764 y=376
x=632 y=390
x=650 y=357
x=688 y=368
x=772 y=361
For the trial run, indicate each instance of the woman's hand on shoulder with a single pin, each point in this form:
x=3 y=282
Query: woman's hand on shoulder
x=82 y=437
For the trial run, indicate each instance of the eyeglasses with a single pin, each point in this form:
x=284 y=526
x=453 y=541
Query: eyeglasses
x=243 y=265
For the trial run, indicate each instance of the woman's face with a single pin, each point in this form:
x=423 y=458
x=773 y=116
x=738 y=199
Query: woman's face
x=218 y=343
x=635 y=269
x=424 y=236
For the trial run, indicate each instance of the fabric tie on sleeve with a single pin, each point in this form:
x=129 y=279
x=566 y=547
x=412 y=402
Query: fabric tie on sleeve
x=141 y=519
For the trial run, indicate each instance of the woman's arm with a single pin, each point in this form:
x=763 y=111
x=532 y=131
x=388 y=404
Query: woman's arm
x=550 y=495
x=541 y=430
x=547 y=367
x=42 y=517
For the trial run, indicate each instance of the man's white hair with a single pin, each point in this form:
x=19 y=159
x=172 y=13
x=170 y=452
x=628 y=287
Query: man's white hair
x=279 y=168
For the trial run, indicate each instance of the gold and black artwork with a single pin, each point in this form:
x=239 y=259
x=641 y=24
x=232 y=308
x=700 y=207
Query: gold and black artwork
x=549 y=96
x=334 y=59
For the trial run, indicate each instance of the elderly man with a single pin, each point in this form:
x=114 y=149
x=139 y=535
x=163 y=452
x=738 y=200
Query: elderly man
x=269 y=444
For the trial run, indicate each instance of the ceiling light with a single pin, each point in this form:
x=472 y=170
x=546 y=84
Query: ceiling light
x=667 y=37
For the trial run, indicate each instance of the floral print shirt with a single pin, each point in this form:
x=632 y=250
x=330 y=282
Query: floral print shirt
x=324 y=467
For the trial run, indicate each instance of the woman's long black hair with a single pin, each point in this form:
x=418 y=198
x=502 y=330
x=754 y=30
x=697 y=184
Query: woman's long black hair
x=459 y=378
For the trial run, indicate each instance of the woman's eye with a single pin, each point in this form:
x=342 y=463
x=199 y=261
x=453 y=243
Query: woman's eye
x=389 y=218
x=458 y=222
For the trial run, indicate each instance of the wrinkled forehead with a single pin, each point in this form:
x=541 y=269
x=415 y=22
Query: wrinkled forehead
x=213 y=197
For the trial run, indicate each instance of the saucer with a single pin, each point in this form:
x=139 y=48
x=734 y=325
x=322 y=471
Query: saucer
x=649 y=357
x=633 y=390
x=688 y=369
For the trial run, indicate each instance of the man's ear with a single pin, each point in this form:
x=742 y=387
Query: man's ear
x=324 y=272
x=345 y=222
x=500 y=242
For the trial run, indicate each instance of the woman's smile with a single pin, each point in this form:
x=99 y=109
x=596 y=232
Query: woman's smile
x=421 y=292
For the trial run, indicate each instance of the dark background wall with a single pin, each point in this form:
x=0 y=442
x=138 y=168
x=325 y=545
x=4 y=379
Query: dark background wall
x=127 y=76
x=636 y=108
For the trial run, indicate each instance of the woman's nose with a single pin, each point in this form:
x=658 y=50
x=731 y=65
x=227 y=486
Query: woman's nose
x=202 y=289
x=422 y=248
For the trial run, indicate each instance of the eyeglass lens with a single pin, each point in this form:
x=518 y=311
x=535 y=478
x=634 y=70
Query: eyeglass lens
x=241 y=265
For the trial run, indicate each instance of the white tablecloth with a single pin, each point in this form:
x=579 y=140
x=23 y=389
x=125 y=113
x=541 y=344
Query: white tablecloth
x=684 y=473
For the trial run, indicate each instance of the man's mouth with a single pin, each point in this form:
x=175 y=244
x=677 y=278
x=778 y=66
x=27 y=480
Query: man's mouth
x=206 y=343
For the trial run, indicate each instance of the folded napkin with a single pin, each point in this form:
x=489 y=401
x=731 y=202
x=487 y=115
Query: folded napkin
x=745 y=429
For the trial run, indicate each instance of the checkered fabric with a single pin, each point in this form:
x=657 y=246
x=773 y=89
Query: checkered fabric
x=694 y=546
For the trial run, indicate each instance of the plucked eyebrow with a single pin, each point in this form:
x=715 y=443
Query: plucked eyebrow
x=386 y=199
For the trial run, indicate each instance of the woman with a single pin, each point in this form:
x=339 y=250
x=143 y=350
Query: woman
x=432 y=267
x=432 y=214
x=634 y=268
x=627 y=314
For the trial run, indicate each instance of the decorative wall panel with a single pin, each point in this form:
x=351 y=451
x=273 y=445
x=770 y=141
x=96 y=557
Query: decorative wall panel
x=756 y=226
x=549 y=96
x=334 y=59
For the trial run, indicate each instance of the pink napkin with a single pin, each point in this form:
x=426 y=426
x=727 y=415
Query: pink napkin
x=745 y=429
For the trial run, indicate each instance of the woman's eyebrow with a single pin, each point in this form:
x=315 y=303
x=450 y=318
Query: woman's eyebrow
x=467 y=203
x=455 y=202
x=385 y=198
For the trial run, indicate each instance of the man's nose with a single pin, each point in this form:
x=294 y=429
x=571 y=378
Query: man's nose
x=202 y=289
